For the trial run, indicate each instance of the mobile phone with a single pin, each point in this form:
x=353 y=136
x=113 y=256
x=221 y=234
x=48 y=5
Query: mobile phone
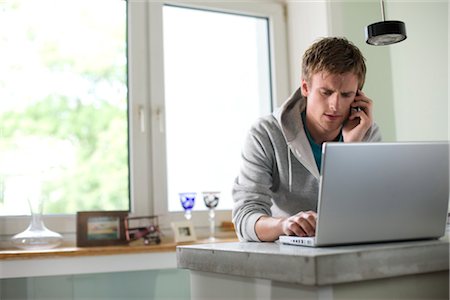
x=357 y=108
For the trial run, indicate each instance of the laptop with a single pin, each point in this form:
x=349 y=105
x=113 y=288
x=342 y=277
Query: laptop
x=379 y=192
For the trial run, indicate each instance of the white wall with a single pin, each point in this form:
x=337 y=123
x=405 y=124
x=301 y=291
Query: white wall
x=420 y=71
x=408 y=82
x=306 y=22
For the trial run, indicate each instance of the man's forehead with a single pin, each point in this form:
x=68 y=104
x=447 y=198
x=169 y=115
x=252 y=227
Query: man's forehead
x=338 y=76
x=347 y=80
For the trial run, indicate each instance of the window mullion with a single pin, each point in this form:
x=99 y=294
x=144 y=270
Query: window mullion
x=157 y=109
x=139 y=109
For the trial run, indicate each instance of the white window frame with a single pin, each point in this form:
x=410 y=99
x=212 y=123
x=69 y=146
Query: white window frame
x=148 y=183
x=275 y=13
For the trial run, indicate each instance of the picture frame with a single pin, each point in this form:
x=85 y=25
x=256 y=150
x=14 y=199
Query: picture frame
x=101 y=228
x=183 y=231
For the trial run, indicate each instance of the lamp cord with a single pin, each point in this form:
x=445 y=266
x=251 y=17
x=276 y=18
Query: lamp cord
x=382 y=9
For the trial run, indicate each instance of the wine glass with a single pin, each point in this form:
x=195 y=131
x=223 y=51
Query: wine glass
x=187 y=201
x=211 y=200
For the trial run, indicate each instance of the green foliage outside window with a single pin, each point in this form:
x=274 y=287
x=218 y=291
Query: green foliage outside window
x=63 y=89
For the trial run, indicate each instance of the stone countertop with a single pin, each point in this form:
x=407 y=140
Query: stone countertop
x=317 y=266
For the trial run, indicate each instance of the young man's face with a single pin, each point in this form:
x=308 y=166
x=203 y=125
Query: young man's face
x=328 y=103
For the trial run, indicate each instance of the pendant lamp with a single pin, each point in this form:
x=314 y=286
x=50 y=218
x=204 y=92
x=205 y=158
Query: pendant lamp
x=385 y=32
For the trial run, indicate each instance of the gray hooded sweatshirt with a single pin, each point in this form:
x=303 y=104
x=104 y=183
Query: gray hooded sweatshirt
x=278 y=175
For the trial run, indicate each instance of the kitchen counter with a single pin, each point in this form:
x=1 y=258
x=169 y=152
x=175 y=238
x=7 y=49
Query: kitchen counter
x=321 y=273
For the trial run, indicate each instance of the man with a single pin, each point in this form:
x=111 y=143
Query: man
x=276 y=190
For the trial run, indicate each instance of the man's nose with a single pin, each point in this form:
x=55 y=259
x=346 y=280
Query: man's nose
x=334 y=101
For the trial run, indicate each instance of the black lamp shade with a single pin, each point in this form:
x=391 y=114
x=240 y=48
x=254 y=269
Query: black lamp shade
x=385 y=33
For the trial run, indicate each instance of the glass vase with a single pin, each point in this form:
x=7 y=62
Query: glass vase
x=36 y=236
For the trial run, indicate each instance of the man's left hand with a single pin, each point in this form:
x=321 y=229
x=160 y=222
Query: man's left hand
x=360 y=120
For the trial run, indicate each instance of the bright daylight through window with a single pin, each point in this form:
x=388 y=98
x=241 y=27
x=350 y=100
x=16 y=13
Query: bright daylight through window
x=63 y=112
x=217 y=82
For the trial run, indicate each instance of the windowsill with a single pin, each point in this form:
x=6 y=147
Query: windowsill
x=71 y=260
x=70 y=250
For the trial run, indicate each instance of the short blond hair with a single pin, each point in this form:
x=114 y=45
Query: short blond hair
x=336 y=56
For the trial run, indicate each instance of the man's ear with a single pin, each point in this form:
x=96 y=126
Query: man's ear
x=305 y=90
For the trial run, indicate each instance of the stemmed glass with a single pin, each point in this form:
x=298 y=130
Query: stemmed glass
x=187 y=201
x=211 y=200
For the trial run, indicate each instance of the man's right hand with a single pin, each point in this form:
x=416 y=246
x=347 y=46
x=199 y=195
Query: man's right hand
x=269 y=229
x=301 y=224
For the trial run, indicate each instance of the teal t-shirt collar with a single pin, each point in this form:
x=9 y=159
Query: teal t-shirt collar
x=316 y=148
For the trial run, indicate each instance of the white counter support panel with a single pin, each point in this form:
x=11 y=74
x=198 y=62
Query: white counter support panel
x=86 y=264
x=206 y=286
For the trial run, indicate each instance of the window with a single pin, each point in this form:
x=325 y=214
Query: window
x=217 y=82
x=219 y=67
x=90 y=88
x=63 y=118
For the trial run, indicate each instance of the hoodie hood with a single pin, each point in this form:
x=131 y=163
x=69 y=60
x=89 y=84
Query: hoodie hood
x=289 y=112
x=289 y=119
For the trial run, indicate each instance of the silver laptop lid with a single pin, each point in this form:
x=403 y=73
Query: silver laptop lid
x=373 y=192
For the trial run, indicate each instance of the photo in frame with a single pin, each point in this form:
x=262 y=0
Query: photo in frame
x=101 y=228
x=183 y=231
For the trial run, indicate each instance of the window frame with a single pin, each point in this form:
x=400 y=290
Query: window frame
x=147 y=157
x=275 y=13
